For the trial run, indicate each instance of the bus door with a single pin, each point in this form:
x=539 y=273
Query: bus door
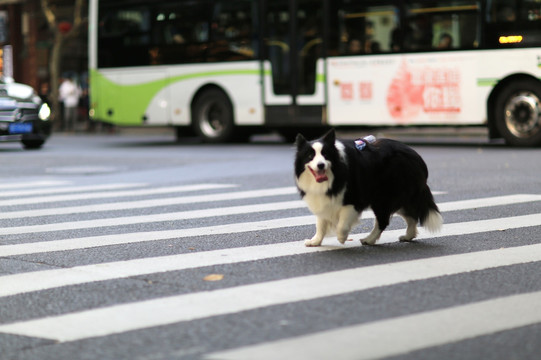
x=293 y=64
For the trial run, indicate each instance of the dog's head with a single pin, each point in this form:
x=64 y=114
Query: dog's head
x=314 y=161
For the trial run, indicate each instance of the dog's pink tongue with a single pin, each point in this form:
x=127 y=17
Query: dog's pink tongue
x=320 y=175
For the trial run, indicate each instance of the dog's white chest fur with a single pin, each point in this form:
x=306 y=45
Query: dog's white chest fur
x=332 y=215
x=315 y=182
x=324 y=206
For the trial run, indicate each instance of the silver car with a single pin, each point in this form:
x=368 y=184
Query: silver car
x=24 y=116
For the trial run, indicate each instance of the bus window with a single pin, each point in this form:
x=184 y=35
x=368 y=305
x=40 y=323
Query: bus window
x=233 y=31
x=501 y=11
x=442 y=25
x=310 y=44
x=505 y=11
x=277 y=45
x=180 y=33
x=367 y=29
x=531 y=10
x=126 y=29
x=177 y=32
x=513 y=23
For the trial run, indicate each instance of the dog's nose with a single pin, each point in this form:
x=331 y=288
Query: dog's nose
x=321 y=166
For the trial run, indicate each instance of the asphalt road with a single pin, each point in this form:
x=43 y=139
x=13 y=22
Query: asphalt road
x=137 y=247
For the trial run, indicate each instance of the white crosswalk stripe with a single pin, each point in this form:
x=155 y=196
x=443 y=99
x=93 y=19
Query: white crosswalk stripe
x=233 y=210
x=372 y=340
x=253 y=212
x=30 y=184
x=101 y=195
x=60 y=190
x=142 y=204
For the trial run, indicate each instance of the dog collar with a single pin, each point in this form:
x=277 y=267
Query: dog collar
x=360 y=144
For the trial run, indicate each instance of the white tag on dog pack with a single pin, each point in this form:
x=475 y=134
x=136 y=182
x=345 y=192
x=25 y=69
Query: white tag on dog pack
x=360 y=144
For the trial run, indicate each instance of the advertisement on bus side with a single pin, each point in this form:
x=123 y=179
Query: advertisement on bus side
x=403 y=90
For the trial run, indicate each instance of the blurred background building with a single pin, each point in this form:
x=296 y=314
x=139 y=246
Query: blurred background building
x=25 y=34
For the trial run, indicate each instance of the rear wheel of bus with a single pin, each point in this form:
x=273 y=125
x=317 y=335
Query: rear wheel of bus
x=212 y=118
x=518 y=113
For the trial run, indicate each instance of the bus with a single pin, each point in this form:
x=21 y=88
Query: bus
x=224 y=68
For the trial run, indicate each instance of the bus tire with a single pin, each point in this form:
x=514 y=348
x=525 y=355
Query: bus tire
x=518 y=113
x=213 y=117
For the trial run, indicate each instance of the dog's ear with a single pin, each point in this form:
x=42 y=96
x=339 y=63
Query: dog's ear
x=329 y=137
x=300 y=141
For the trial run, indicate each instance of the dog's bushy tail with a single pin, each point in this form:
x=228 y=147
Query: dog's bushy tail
x=430 y=218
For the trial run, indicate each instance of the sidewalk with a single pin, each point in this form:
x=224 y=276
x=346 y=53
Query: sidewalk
x=412 y=135
x=426 y=135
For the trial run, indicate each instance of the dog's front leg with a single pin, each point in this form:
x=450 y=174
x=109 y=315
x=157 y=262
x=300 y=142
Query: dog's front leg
x=348 y=217
x=322 y=226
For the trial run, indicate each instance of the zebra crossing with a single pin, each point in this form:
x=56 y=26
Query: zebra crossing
x=33 y=224
x=475 y=319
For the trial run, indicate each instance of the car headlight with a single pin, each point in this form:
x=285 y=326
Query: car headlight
x=44 y=112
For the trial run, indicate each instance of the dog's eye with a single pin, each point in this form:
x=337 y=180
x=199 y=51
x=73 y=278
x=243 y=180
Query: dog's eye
x=325 y=152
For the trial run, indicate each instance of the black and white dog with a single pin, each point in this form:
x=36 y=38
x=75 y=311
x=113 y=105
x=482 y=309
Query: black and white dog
x=340 y=179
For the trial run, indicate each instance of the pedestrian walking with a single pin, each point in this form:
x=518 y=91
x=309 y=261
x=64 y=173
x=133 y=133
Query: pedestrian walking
x=69 y=93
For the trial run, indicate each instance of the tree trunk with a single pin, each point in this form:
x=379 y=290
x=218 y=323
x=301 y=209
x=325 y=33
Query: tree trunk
x=54 y=71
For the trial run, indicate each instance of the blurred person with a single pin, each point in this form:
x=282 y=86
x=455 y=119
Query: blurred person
x=446 y=42
x=507 y=14
x=44 y=92
x=69 y=94
x=355 y=46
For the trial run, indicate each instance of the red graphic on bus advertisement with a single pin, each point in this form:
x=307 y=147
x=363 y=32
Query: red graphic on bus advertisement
x=427 y=90
x=365 y=90
x=346 y=91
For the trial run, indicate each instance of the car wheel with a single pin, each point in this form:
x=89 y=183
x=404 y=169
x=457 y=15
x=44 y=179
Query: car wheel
x=32 y=144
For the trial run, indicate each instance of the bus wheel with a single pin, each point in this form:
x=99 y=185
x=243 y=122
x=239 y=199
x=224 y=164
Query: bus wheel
x=213 y=117
x=518 y=113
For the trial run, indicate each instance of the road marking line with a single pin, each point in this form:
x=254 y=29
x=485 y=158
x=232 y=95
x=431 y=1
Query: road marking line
x=144 y=219
x=140 y=204
x=27 y=184
x=117 y=239
x=47 y=279
x=234 y=210
x=489 y=201
x=128 y=238
x=173 y=309
x=68 y=189
x=432 y=328
x=111 y=194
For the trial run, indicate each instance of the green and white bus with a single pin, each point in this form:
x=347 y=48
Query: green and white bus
x=223 y=68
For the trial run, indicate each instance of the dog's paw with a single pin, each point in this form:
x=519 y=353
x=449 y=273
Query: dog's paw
x=311 y=243
x=368 y=241
x=405 y=238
